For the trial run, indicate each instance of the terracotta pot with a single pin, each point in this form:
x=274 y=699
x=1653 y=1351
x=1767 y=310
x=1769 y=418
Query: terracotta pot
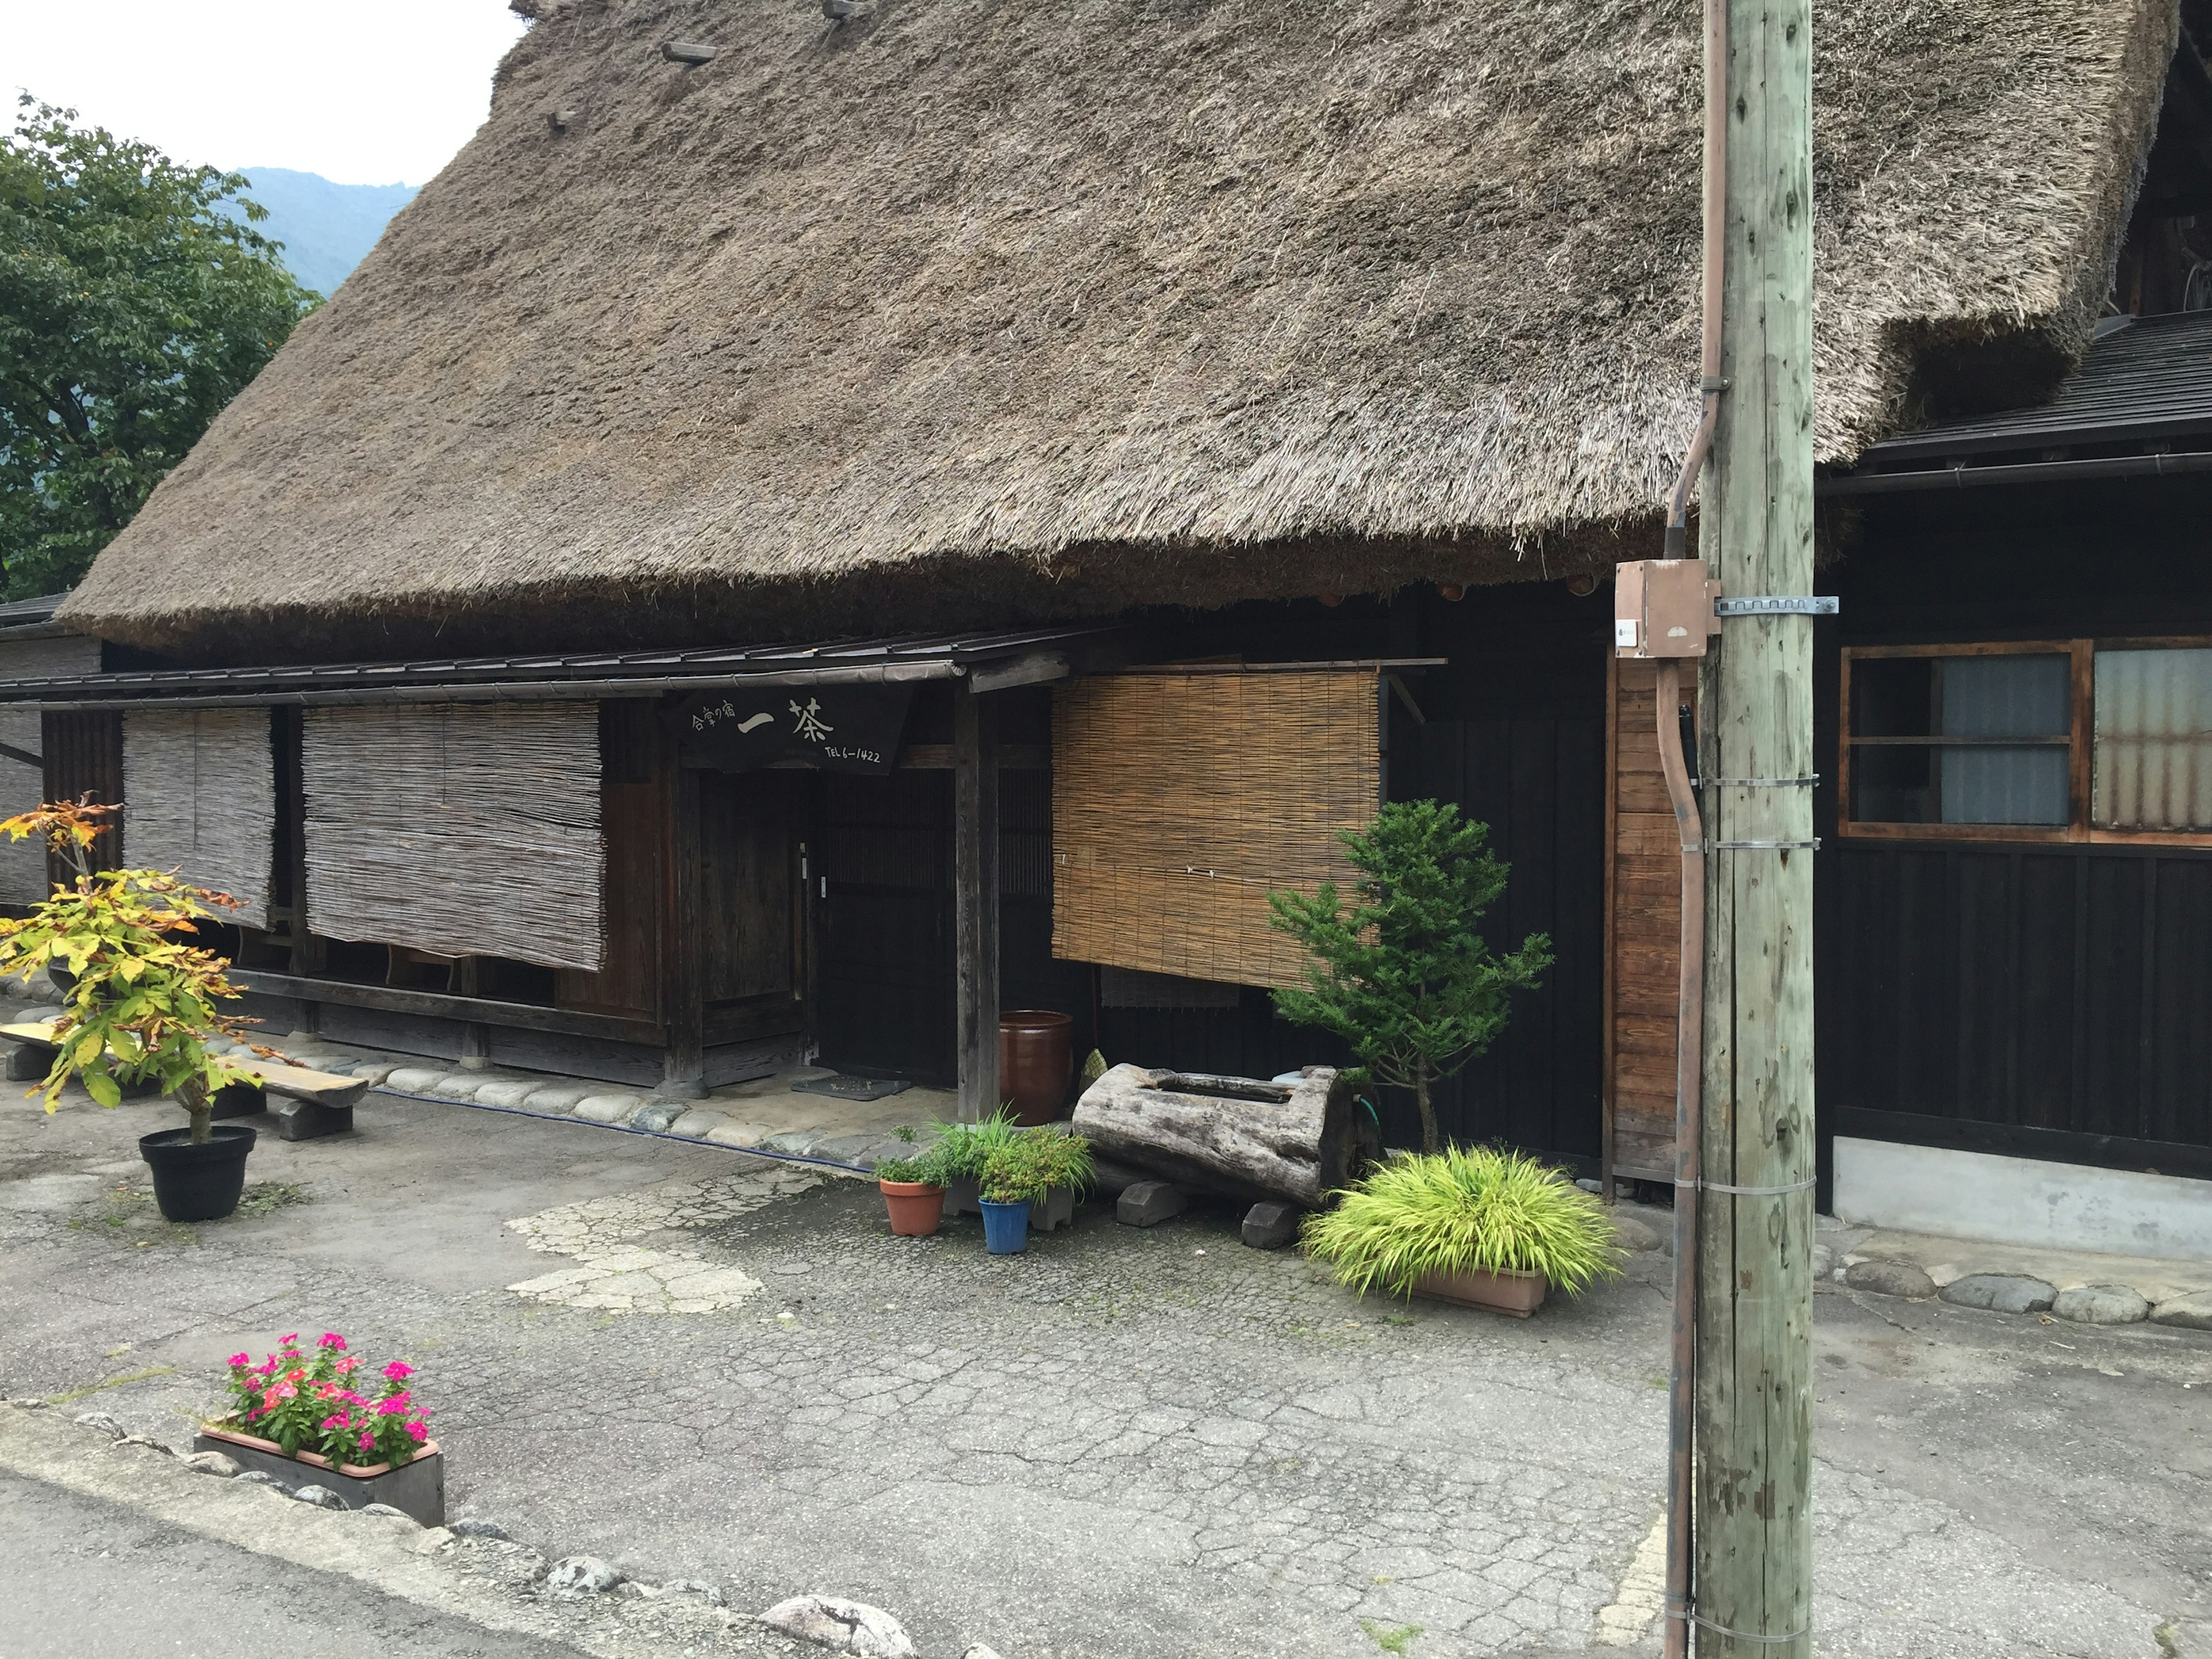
x=1518 y=1294
x=916 y=1207
x=1036 y=1062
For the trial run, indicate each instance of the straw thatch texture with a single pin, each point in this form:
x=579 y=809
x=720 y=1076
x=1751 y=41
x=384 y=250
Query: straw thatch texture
x=1178 y=800
x=23 y=863
x=461 y=829
x=199 y=796
x=976 y=308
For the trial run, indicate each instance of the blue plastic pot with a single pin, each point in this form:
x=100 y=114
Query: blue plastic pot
x=1005 y=1227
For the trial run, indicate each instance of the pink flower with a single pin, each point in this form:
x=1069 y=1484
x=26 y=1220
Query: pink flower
x=395 y=1406
x=338 y=1420
x=295 y=1376
x=331 y=1339
x=398 y=1371
x=267 y=1367
x=287 y=1341
x=367 y=1440
x=417 y=1433
x=238 y=1362
x=345 y=1366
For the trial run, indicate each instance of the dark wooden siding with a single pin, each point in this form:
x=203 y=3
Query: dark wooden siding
x=2047 y=1000
x=1514 y=734
x=883 y=900
x=634 y=807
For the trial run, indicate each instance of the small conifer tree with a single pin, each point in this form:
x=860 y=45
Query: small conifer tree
x=1402 y=974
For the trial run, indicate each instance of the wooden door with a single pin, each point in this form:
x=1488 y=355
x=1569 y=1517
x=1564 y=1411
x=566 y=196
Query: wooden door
x=1643 y=906
x=750 y=829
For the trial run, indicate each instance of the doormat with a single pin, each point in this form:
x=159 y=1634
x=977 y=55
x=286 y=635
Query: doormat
x=853 y=1088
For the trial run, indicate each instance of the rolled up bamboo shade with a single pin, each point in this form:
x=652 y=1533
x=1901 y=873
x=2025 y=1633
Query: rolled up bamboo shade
x=463 y=829
x=1179 y=799
x=199 y=798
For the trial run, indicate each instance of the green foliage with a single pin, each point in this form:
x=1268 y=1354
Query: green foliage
x=1468 y=1208
x=961 y=1150
x=133 y=307
x=922 y=1170
x=142 y=1003
x=1403 y=976
x=1066 y=1159
x=1022 y=1168
x=1391 y=1638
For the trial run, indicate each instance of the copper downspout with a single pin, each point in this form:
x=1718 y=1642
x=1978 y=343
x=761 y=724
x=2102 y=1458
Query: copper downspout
x=1690 y=1010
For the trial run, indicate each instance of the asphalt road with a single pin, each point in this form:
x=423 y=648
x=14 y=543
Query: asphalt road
x=86 y=1577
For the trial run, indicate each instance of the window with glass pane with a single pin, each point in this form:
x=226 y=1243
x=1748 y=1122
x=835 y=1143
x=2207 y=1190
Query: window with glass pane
x=2153 y=748
x=1961 y=740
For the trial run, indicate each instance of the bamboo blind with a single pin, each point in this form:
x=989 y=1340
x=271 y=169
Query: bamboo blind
x=463 y=829
x=23 y=863
x=1179 y=799
x=199 y=794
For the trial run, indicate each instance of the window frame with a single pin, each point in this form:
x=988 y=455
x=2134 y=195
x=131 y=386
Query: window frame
x=2080 y=741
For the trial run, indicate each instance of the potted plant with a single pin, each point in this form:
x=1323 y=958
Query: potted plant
x=141 y=1004
x=1066 y=1162
x=1480 y=1225
x=1015 y=1176
x=960 y=1151
x=913 y=1195
x=300 y=1417
x=1404 y=975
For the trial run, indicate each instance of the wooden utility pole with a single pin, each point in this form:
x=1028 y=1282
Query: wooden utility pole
x=975 y=898
x=1753 y=1588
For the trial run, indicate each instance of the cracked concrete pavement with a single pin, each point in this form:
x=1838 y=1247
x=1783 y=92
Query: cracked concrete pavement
x=1123 y=1443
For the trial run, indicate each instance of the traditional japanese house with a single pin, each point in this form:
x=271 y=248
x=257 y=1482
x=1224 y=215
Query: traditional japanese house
x=793 y=543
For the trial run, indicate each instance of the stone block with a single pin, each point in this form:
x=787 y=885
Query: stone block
x=556 y=1097
x=607 y=1109
x=456 y=1085
x=658 y=1114
x=1632 y=1233
x=413 y=1079
x=851 y=1627
x=1891 y=1279
x=1270 y=1226
x=2101 y=1305
x=734 y=1133
x=1148 y=1203
x=507 y=1091
x=27 y=1064
x=2012 y=1293
x=2191 y=1310
x=220 y=1464
x=310 y=1119
x=575 y=1577
x=696 y=1123
x=843 y=1149
x=798 y=1143
x=321 y=1496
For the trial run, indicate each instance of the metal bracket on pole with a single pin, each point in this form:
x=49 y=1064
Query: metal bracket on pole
x=1755 y=783
x=1755 y=845
x=1778 y=604
x=1745 y=1635
x=1749 y=1192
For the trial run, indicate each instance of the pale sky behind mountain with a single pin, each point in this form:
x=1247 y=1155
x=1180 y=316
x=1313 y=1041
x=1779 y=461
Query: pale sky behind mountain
x=375 y=93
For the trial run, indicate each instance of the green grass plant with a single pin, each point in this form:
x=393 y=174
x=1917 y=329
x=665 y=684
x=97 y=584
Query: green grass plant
x=1467 y=1208
x=1066 y=1159
x=908 y=1169
x=1021 y=1168
x=961 y=1150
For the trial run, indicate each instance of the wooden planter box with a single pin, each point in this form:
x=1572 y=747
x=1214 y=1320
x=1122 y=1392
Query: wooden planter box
x=416 y=1487
x=1518 y=1294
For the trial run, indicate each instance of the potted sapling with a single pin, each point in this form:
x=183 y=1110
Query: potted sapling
x=1065 y=1158
x=1479 y=1226
x=1016 y=1174
x=308 y=1417
x=1403 y=974
x=142 y=1007
x=913 y=1193
x=959 y=1153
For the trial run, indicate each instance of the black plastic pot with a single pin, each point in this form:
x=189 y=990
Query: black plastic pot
x=198 y=1183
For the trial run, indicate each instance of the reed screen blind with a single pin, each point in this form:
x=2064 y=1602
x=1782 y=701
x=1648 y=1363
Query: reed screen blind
x=462 y=830
x=1179 y=799
x=23 y=785
x=199 y=796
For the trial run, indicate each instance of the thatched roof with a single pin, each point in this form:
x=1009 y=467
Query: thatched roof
x=972 y=305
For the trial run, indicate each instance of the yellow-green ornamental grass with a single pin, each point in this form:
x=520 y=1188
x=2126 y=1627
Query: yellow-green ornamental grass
x=1467 y=1208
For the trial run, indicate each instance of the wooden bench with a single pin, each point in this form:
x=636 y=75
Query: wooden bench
x=310 y=1103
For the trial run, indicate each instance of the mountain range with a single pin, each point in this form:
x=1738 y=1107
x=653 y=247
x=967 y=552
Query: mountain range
x=326 y=227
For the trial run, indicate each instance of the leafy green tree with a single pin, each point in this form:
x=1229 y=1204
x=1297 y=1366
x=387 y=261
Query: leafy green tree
x=136 y=300
x=1402 y=975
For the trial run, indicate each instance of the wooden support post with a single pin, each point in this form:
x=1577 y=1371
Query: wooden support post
x=683 y=1067
x=975 y=898
x=1754 y=1542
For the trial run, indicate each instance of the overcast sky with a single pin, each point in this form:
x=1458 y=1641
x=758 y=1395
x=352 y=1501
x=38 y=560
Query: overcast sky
x=365 y=93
